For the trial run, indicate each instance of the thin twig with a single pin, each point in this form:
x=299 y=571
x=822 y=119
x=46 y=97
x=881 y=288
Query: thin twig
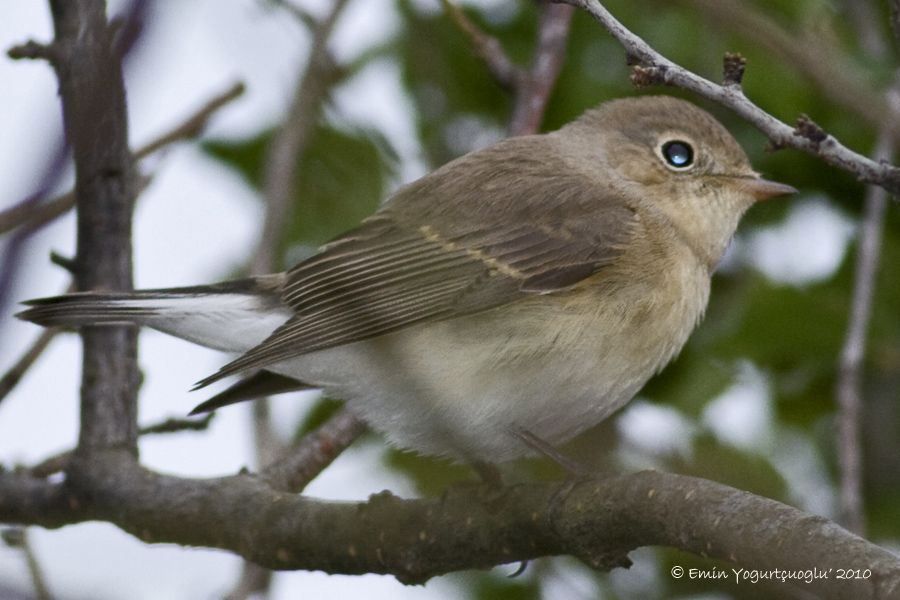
x=530 y=88
x=849 y=383
x=12 y=377
x=864 y=17
x=536 y=86
x=654 y=67
x=44 y=212
x=279 y=183
x=58 y=462
x=488 y=48
x=17 y=537
x=15 y=373
x=194 y=125
x=849 y=379
x=812 y=56
x=303 y=462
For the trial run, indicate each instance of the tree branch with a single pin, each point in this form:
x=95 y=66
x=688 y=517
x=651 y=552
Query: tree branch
x=596 y=520
x=300 y=464
x=530 y=88
x=15 y=373
x=536 y=85
x=652 y=67
x=35 y=214
x=59 y=462
x=95 y=118
x=812 y=56
x=849 y=376
x=488 y=48
x=19 y=538
x=849 y=382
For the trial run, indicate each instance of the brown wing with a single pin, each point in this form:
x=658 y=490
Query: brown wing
x=405 y=266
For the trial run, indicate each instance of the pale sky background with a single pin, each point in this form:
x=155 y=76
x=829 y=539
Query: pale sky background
x=198 y=220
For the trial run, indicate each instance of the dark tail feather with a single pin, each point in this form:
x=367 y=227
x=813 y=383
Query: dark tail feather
x=262 y=383
x=116 y=308
x=87 y=308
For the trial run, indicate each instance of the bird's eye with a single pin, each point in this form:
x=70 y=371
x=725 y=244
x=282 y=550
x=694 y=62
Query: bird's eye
x=678 y=154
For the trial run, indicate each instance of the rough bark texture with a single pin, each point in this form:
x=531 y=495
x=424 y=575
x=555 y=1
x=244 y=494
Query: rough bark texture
x=96 y=123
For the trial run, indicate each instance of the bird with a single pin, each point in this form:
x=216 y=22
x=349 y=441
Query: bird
x=505 y=302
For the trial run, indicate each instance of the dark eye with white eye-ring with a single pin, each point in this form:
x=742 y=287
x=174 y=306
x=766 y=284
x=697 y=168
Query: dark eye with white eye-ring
x=678 y=154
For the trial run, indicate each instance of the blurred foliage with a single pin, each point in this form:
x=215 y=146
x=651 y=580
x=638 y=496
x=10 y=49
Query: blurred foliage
x=791 y=333
x=341 y=179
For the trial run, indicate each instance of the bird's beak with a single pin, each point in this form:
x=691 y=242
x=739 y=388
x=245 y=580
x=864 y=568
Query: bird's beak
x=763 y=189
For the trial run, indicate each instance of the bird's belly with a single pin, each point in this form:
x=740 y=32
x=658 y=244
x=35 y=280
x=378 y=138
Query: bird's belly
x=456 y=388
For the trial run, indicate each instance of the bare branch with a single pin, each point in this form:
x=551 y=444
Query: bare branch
x=299 y=465
x=488 y=48
x=18 y=538
x=95 y=117
x=849 y=377
x=194 y=125
x=35 y=214
x=781 y=135
x=530 y=88
x=58 y=462
x=537 y=84
x=867 y=24
x=12 y=377
x=598 y=520
x=849 y=383
x=291 y=139
x=812 y=56
x=33 y=50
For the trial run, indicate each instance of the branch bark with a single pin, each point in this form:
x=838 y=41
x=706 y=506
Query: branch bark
x=849 y=379
x=469 y=527
x=95 y=117
x=530 y=88
x=534 y=89
x=34 y=214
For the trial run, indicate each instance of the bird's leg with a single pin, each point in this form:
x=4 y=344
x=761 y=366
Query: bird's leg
x=575 y=469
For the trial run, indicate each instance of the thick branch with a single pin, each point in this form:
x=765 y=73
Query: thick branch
x=658 y=69
x=597 y=520
x=95 y=117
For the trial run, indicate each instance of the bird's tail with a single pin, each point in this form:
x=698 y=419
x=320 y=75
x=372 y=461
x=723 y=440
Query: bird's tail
x=93 y=308
x=231 y=316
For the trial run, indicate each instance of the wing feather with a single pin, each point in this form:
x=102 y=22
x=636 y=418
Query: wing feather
x=418 y=261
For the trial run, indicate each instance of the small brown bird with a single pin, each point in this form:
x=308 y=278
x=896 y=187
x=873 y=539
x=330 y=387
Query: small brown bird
x=524 y=291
